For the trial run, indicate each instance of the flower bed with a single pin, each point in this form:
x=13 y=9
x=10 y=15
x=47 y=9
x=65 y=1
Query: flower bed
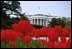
x=25 y=35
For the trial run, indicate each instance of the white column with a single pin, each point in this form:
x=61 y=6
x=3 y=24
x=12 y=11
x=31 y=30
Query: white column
x=34 y=21
x=46 y=23
x=31 y=21
x=41 y=21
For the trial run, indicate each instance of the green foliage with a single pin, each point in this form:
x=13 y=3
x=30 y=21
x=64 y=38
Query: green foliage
x=21 y=44
x=38 y=26
x=11 y=21
x=57 y=21
x=5 y=6
x=9 y=5
x=5 y=44
x=53 y=22
x=13 y=7
x=63 y=23
x=35 y=44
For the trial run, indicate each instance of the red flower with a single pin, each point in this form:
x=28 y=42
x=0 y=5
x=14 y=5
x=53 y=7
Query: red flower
x=16 y=27
x=23 y=26
x=41 y=41
x=27 y=39
x=66 y=32
x=53 y=36
x=50 y=44
x=69 y=43
x=37 y=33
x=63 y=39
x=58 y=29
x=13 y=44
x=9 y=35
x=41 y=32
x=44 y=31
x=63 y=43
x=60 y=45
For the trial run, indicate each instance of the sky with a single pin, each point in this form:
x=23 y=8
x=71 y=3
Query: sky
x=55 y=8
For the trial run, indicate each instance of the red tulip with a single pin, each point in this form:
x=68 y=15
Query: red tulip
x=9 y=35
x=63 y=39
x=27 y=39
x=50 y=44
x=41 y=41
x=13 y=44
x=16 y=27
x=52 y=34
x=41 y=32
x=63 y=43
x=44 y=31
x=60 y=45
x=69 y=43
x=23 y=26
x=58 y=29
x=37 y=33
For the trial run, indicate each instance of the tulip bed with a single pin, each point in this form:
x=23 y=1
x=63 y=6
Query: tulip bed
x=21 y=36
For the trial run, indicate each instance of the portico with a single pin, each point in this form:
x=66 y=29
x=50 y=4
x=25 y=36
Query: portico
x=40 y=19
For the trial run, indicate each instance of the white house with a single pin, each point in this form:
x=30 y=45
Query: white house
x=40 y=19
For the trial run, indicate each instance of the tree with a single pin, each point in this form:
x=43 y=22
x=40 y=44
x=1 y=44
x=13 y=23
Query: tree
x=12 y=7
x=53 y=22
x=57 y=21
x=67 y=22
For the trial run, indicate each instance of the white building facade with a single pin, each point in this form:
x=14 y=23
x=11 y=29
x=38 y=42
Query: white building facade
x=40 y=19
